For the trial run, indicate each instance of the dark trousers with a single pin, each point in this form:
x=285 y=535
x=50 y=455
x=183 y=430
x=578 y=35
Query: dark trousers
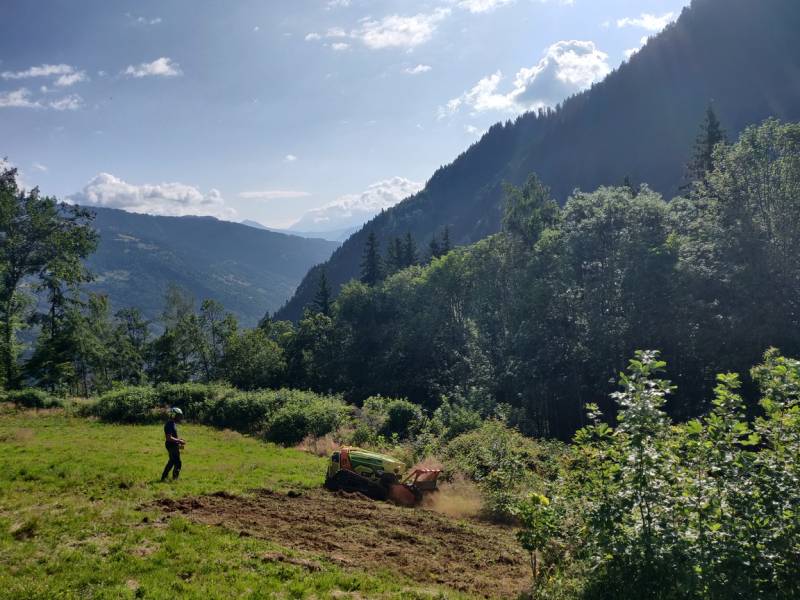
x=174 y=462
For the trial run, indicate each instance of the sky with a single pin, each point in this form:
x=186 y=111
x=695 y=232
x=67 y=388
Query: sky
x=310 y=114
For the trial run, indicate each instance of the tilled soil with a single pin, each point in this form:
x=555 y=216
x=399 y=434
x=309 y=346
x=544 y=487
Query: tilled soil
x=466 y=555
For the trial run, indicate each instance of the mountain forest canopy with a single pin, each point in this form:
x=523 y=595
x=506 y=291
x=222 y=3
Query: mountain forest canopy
x=527 y=325
x=639 y=123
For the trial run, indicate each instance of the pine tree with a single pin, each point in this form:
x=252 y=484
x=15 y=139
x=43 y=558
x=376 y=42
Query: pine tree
x=434 y=248
x=446 y=246
x=394 y=256
x=322 y=301
x=371 y=263
x=410 y=255
x=702 y=161
x=628 y=184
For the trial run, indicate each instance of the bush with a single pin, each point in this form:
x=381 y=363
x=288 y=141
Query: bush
x=305 y=414
x=127 y=405
x=248 y=412
x=196 y=400
x=403 y=419
x=392 y=418
x=500 y=460
x=32 y=398
x=451 y=420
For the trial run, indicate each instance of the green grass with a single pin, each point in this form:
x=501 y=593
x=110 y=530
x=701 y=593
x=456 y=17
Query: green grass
x=73 y=521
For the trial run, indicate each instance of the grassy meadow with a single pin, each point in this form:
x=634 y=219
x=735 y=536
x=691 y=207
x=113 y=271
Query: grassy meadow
x=77 y=521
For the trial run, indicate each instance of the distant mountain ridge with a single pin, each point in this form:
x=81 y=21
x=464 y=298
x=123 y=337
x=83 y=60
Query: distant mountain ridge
x=243 y=268
x=640 y=122
x=335 y=235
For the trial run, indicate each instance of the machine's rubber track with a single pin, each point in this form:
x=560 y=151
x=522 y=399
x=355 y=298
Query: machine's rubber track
x=348 y=481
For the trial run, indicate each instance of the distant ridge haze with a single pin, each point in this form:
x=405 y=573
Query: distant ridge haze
x=244 y=268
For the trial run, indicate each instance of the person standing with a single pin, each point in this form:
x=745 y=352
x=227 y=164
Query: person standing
x=173 y=444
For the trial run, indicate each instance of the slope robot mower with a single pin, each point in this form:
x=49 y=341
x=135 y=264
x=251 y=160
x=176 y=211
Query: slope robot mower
x=378 y=477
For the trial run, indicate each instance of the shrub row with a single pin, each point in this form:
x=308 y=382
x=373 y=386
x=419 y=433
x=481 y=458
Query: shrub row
x=31 y=398
x=282 y=416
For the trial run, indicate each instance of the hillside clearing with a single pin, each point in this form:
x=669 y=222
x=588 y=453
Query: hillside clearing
x=354 y=532
x=82 y=515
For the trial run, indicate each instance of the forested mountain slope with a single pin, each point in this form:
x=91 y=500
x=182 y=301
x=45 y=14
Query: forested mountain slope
x=640 y=122
x=243 y=268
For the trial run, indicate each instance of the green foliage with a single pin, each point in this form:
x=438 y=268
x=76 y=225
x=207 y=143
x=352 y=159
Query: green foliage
x=706 y=509
x=451 y=419
x=305 y=414
x=127 y=405
x=284 y=416
x=248 y=412
x=252 y=360
x=32 y=398
x=44 y=244
x=392 y=417
x=500 y=460
x=538 y=526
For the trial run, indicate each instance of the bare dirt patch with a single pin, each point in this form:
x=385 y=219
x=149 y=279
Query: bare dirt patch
x=467 y=555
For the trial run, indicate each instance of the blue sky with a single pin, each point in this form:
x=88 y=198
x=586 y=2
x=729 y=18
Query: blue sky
x=308 y=112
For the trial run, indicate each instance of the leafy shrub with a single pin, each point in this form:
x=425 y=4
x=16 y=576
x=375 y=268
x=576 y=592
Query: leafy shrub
x=500 y=460
x=248 y=412
x=32 y=398
x=706 y=509
x=403 y=419
x=451 y=420
x=127 y=405
x=391 y=417
x=305 y=414
x=195 y=399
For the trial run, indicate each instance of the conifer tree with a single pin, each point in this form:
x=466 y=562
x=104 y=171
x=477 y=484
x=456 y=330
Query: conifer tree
x=702 y=161
x=322 y=301
x=434 y=248
x=371 y=263
x=394 y=256
x=410 y=255
x=446 y=245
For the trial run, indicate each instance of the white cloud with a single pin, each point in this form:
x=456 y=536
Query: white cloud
x=340 y=46
x=273 y=195
x=480 y=6
x=39 y=167
x=71 y=102
x=66 y=75
x=417 y=70
x=161 y=67
x=472 y=130
x=290 y=158
x=483 y=6
x=338 y=4
x=395 y=31
x=648 y=21
x=165 y=199
x=352 y=210
x=631 y=51
x=567 y=67
x=143 y=20
x=392 y=31
x=21 y=98
x=18 y=99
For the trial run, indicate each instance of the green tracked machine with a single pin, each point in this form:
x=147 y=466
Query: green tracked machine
x=378 y=476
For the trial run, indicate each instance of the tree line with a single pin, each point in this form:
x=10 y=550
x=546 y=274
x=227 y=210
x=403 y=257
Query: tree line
x=527 y=325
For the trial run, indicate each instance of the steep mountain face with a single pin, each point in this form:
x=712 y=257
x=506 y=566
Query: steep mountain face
x=243 y=268
x=640 y=122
